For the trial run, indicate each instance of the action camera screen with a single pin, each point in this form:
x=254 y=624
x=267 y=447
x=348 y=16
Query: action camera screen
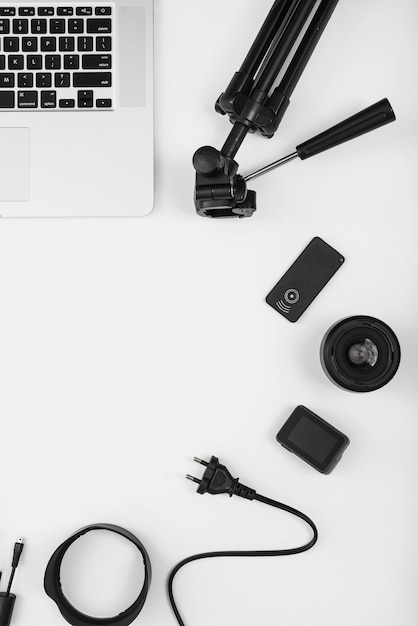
x=312 y=439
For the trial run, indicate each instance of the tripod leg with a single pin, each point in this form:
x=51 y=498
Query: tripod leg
x=300 y=11
x=271 y=26
x=243 y=80
x=280 y=98
x=306 y=48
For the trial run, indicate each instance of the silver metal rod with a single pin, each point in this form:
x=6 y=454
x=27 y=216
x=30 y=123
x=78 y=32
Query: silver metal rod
x=272 y=166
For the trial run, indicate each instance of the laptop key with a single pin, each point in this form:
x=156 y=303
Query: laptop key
x=2 y=61
x=25 y=80
x=43 y=79
x=4 y=26
x=48 y=99
x=29 y=44
x=103 y=103
x=62 y=79
x=103 y=11
x=15 y=62
x=27 y=99
x=20 y=26
x=48 y=44
x=85 y=99
x=103 y=44
x=8 y=11
x=57 y=26
x=52 y=62
x=92 y=79
x=26 y=11
x=66 y=44
x=96 y=61
x=99 y=26
x=71 y=61
x=7 y=80
x=84 y=44
x=65 y=11
x=46 y=11
x=38 y=27
x=11 y=44
x=34 y=62
x=7 y=99
x=75 y=26
x=66 y=103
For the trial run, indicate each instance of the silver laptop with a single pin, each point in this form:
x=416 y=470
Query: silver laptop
x=76 y=108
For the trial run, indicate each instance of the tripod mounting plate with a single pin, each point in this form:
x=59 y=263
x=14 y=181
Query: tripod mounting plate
x=218 y=208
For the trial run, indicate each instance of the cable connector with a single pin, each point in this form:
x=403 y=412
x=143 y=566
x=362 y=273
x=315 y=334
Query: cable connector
x=17 y=551
x=218 y=479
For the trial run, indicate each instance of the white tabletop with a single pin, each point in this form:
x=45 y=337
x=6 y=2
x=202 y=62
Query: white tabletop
x=129 y=346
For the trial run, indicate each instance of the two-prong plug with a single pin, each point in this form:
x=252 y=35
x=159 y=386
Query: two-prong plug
x=218 y=479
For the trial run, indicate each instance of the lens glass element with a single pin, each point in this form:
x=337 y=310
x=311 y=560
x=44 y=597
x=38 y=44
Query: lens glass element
x=365 y=353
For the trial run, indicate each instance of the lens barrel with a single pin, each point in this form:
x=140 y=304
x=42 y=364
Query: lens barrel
x=360 y=353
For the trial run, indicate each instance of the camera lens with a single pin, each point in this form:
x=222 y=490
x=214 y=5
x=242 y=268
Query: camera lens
x=360 y=353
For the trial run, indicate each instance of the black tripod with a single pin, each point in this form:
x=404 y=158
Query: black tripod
x=254 y=106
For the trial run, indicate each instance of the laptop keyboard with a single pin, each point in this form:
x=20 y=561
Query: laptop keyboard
x=57 y=56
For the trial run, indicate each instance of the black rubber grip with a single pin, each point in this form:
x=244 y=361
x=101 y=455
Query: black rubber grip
x=7 y=602
x=363 y=122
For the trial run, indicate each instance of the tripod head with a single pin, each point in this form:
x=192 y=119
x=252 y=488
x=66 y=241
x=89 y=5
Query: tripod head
x=253 y=106
x=220 y=190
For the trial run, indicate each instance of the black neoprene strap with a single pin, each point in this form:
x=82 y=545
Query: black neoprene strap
x=52 y=582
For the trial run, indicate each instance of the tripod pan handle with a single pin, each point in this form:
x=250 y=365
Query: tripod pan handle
x=373 y=117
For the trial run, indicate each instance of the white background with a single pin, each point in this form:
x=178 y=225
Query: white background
x=127 y=346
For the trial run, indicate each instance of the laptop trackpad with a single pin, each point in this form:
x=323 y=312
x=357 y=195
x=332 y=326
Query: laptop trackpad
x=14 y=164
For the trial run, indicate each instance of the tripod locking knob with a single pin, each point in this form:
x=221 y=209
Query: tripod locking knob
x=208 y=161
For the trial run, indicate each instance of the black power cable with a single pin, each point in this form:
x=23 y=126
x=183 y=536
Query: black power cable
x=217 y=479
x=7 y=599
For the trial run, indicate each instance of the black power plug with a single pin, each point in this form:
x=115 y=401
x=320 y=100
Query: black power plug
x=218 y=479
